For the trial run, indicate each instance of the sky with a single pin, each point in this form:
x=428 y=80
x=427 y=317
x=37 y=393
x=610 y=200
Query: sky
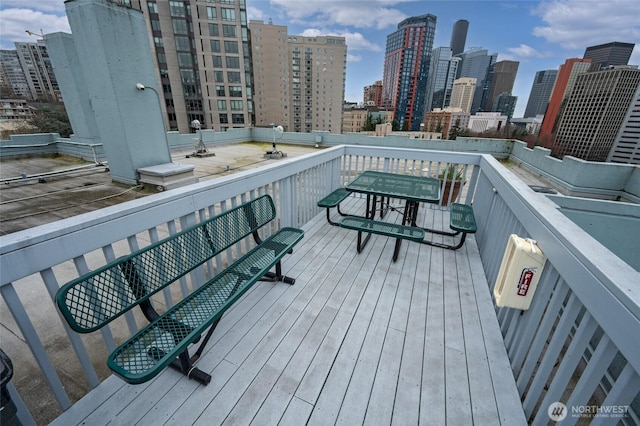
x=541 y=35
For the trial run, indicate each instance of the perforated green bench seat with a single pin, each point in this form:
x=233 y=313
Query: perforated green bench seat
x=333 y=200
x=370 y=226
x=383 y=228
x=462 y=219
x=95 y=299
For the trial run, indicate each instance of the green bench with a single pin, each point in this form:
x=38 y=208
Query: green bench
x=461 y=221
x=91 y=301
x=333 y=200
x=370 y=226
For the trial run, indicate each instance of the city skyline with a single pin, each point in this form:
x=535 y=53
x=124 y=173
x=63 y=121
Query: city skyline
x=541 y=35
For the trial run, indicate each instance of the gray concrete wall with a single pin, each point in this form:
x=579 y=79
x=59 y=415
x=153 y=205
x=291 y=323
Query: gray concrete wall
x=579 y=177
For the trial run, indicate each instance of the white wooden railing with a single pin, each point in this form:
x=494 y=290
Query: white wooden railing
x=584 y=321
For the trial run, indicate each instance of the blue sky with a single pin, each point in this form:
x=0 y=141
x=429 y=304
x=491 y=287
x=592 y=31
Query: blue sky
x=539 y=34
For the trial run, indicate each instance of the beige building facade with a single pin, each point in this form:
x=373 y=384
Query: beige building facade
x=201 y=50
x=299 y=81
x=462 y=93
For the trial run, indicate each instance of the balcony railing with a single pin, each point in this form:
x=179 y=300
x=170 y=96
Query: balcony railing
x=578 y=343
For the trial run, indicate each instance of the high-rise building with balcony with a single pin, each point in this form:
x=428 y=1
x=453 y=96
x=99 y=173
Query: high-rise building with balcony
x=567 y=75
x=540 y=93
x=475 y=64
x=626 y=147
x=203 y=58
x=595 y=111
x=13 y=82
x=462 y=93
x=604 y=55
x=442 y=73
x=406 y=69
x=459 y=36
x=36 y=65
x=373 y=94
x=299 y=81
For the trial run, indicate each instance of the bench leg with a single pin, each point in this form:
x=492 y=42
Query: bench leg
x=184 y=365
x=447 y=246
x=277 y=276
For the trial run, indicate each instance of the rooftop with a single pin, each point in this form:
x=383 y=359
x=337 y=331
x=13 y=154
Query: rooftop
x=352 y=324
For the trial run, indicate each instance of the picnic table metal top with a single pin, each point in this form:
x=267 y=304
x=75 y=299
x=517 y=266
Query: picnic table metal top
x=411 y=188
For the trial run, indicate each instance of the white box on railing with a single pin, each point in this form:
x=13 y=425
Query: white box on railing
x=519 y=273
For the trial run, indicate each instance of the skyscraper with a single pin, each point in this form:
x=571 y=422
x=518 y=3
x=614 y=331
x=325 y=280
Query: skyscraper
x=406 y=69
x=502 y=80
x=462 y=93
x=442 y=73
x=202 y=54
x=604 y=55
x=475 y=64
x=540 y=92
x=12 y=78
x=595 y=111
x=567 y=75
x=35 y=62
x=299 y=81
x=626 y=147
x=459 y=36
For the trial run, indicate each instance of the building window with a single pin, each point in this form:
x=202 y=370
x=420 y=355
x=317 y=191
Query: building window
x=237 y=118
x=228 y=14
x=228 y=30
x=188 y=76
x=218 y=76
x=233 y=77
x=176 y=8
x=155 y=25
x=215 y=45
x=158 y=41
x=237 y=105
x=180 y=26
x=231 y=46
x=213 y=30
x=235 y=91
x=185 y=60
x=153 y=8
x=183 y=43
x=222 y=105
x=162 y=59
x=233 y=62
x=227 y=1
x=220 y=91
x=217 y=61
x=224 y=118
x=211 y=12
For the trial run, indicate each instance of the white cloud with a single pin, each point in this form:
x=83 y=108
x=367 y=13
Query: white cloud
x=255 y=13
x=524 y=51
x=574 y=24
x=357 y=13
x=355 y=41
x=53 y=6
x=15 y=22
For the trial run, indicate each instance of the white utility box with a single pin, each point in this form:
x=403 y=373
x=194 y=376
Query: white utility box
x=519 y=273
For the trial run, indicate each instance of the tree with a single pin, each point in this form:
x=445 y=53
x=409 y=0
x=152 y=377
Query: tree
x=395 y=126
x=52 y=119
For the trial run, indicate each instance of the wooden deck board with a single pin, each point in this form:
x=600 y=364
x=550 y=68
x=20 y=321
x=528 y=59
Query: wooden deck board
x=358 y=339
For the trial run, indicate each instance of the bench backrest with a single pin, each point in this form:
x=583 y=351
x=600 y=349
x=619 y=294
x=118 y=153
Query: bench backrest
x=94 y=299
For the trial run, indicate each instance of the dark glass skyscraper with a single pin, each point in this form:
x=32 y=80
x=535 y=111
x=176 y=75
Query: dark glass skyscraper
x=406 y=69
x=604 y=55
x=540 y=92
x=459 y=36
x=476 y=64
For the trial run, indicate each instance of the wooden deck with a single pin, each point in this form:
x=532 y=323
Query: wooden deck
x=357 y=340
